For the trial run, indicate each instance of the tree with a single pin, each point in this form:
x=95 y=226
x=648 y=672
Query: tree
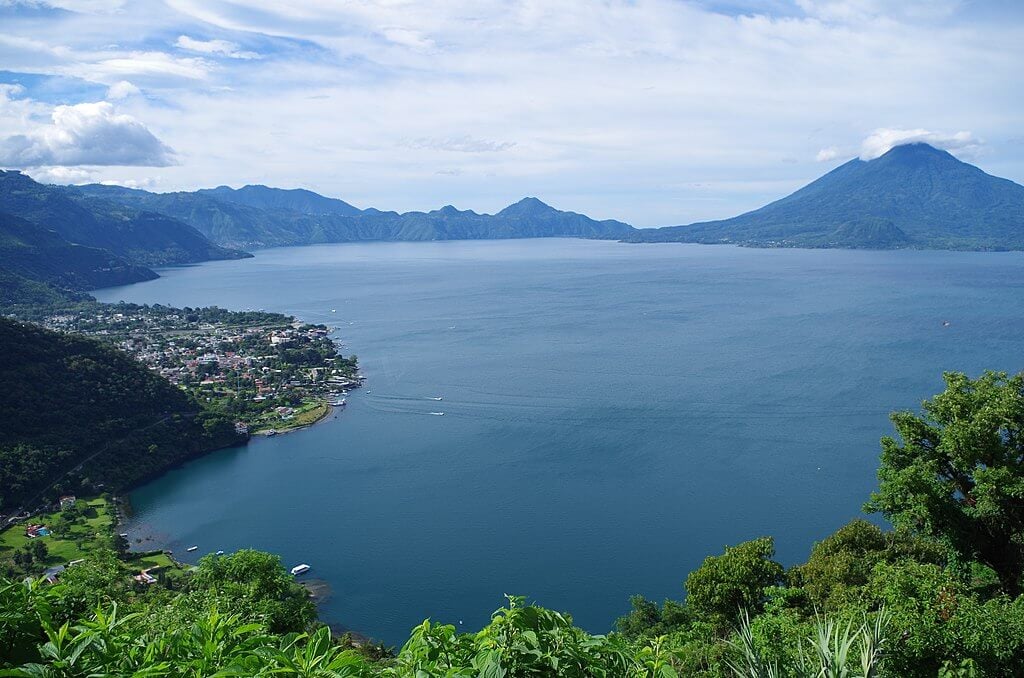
x=957 y=472
x=39 y=550
x=841 y=564
x=255 y=584
x=735 y=580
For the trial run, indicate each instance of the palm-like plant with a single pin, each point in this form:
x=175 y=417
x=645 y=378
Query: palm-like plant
x=836 y=651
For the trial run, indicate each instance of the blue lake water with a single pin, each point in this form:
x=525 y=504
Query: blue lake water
x=613 y=413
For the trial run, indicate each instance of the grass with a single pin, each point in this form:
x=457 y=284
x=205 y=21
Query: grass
x=155 y=560
x=95 y=529
x=308 y=413
x=92 y=531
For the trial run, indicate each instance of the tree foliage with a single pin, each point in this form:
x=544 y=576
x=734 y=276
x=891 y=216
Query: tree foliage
x=957 y=472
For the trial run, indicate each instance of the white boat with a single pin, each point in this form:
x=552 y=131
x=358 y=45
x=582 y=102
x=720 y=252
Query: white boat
x=438 y=414
x=300 y=569
x=220 y=553
x=190 y=549
x=438 y=398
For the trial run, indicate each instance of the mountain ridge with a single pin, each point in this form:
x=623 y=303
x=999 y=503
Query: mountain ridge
x=914 y=195
x=256 y=216
x=144 y=237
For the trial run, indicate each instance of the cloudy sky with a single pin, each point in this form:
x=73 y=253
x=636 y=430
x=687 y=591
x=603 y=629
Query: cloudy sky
x=654 y=112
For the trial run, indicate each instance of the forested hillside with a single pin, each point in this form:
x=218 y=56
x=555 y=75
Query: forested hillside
x=143 y=238
x=260 y=216
x=41 y=255
x=77 y=415
x=937 y=596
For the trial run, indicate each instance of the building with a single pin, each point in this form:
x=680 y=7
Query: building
x=67 y=501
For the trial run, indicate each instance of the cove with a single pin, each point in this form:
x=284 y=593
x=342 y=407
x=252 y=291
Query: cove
x=612 y=413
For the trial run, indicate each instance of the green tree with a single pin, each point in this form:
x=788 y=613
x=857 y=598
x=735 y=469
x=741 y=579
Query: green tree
x=957 y=472
x=840 y=565
x=735 y=580
x=39 y=550
x=255 y=585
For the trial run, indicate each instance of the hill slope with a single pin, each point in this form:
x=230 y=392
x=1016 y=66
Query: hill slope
x=40 y=255
x=143 y=237
x=913 y=196
x=258 y=216
x=292 y=200
x=78 y=413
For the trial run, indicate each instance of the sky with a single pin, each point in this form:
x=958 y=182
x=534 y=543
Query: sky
x=653 y=112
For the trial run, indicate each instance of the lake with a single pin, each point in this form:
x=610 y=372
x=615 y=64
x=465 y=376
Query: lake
x=613 y=413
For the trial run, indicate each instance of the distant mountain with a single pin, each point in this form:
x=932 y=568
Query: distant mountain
x=913 y=196
x=142 y=237
x=258 y=216
x=294 y=200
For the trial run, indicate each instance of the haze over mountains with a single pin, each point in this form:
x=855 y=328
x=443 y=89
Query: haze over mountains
x=84 y=237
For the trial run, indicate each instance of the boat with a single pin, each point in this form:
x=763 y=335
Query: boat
x=271 y=432
x=190 y=549
x=438 y=414
x=439 y=398
x=300 y=569
x=220 y=553
x=339 y=403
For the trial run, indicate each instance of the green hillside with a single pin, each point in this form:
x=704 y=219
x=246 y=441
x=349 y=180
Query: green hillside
x=144 y=238
x=913 y=196
x=37 y=254
x=258 y=216
x=76 y=415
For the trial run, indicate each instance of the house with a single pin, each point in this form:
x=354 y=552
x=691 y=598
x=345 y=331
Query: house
x=145 y=577
x=33 y=531
x=67 y=501
x=241 y=427
x=53 y=573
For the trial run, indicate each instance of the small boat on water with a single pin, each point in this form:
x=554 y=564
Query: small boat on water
x=190 y=549
x=220 y=553
x=438 y=414
x=339 y=403
x=300 y=569
x=438 y=398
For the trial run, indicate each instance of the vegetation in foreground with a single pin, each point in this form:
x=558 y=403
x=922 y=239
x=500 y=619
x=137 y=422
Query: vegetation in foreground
x=937 y=596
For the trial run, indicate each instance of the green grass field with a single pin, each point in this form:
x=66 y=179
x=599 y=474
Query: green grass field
x=308 y=413
x=92 y=531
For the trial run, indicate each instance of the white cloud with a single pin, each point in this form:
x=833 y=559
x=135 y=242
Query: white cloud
x=459 y=144
x=826 y=154
x=61 y=175
x=868 y=10
x=146 y=182
x=122 y=90
x=214 y=47
x=86 y=134
x=882 y=140
x=642 y=110
x=139 y=63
